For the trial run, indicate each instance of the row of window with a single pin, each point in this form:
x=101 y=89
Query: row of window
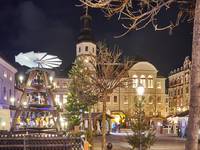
x=179 y=80
x=177 y=92
x=115 y=99
x=142 y=80
x=151 y=99
x=86 y=49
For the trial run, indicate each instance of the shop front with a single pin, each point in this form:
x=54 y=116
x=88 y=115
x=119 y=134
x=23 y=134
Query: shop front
x=119 y=121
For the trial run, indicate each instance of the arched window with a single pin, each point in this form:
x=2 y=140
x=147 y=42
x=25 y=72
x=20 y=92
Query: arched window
x=150 y=81
x=142 y=80
x=135 y=81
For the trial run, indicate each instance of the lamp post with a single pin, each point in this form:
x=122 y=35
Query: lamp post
x=140 y=92
x=21 y=78
x=51 y=79
x=12 y=101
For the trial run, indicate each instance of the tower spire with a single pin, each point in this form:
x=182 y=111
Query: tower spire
x=85 y=42
x=86 y=34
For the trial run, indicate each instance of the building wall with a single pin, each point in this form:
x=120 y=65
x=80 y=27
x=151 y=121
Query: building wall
x=179 y=89
x=4 y=119
x=124 y=98
x=7 y=83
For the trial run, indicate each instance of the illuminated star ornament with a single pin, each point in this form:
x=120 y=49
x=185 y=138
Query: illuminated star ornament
x=38 y=60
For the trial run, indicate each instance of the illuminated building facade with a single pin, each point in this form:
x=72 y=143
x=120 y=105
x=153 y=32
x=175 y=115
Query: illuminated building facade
x=179 y=89
x=7 y=92
x=7 y=83
x=123 y=98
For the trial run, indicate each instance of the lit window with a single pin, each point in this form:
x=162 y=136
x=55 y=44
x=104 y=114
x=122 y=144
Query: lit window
x=142 y=80
x=115 y=99
x=135 y=81
x=5 y=74
x=10 y=78
x=158 y=85
x=125 y=99
x=150 y=81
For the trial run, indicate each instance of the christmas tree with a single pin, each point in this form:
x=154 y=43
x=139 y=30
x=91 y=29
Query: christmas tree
x=81 y=93
x=143 y=135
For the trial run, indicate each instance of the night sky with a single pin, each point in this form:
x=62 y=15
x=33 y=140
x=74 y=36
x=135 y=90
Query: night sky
x=53 y=26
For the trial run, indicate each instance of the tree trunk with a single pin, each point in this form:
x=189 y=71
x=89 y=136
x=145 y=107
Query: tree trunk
x=193 y=123
x=90 y=129
x=104 y=123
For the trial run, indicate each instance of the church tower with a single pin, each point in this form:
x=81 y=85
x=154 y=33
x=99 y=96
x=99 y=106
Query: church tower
x=85 y=43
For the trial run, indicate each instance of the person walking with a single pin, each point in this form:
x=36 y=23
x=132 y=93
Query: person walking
x=183 y=125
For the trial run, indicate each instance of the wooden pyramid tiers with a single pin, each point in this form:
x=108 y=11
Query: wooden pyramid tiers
x=36 y=111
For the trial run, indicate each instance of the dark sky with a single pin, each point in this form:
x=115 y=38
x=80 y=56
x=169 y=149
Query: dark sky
x=53 y=25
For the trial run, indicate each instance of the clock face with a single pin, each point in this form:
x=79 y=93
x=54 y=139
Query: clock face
x=38 y=60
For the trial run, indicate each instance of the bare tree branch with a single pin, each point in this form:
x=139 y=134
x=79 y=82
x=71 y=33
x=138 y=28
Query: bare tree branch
x=137 y=14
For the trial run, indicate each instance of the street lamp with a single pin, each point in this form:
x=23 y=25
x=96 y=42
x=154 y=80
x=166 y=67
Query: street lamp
x=51 y=79
x=140 y=92
x=21 y=78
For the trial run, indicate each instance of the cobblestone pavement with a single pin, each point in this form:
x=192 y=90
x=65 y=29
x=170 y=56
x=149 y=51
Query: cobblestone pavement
x=164 y=142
